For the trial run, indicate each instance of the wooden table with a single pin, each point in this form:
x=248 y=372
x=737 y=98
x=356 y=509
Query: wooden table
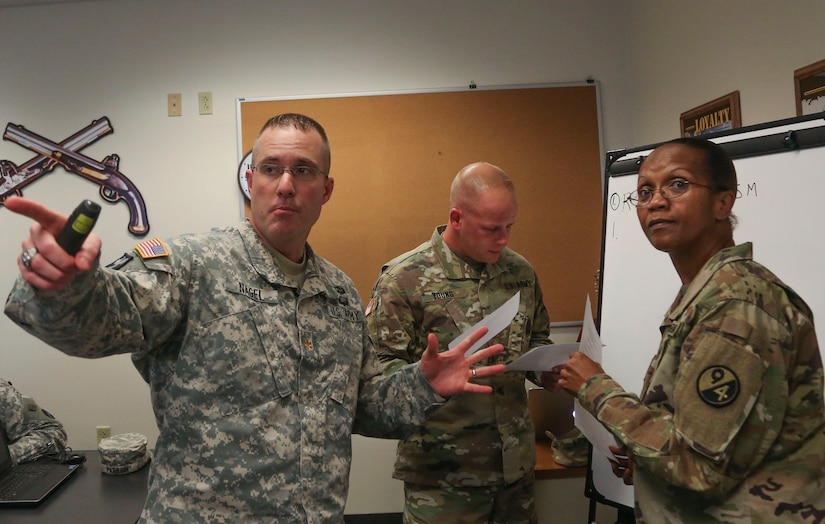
x=546 y=467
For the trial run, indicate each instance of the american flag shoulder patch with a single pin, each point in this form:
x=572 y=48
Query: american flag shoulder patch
x=152 y=248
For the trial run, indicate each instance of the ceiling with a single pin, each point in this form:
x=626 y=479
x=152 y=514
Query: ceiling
x=13 y=3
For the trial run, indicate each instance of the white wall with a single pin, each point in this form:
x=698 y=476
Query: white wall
x=63 y=65
x=683 y=54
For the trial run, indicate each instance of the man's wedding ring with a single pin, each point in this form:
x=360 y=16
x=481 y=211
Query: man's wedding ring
x=473 y=371
x=27 y=256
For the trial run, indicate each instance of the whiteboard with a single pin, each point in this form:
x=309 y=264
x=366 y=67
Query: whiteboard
x=781 y=175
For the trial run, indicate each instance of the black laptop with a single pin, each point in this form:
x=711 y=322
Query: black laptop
x=28 y=484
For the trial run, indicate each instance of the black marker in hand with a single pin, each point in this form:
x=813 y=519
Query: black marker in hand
x=78 y=227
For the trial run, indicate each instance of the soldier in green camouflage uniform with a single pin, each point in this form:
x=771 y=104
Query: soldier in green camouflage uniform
x=474 y=460
x=255 y=349
x=730 y=426
x=30 y=430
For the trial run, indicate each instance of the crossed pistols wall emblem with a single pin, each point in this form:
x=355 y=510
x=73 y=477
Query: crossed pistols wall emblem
x=114 y=185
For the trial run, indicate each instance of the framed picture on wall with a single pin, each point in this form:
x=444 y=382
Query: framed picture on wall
x=717 y=115
x=809 y=85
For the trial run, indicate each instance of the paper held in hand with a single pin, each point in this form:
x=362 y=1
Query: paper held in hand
x=545 y=358
x=495 y=322
x=591 y=345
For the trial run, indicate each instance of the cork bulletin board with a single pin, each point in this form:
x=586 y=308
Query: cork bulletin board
x=395 y=154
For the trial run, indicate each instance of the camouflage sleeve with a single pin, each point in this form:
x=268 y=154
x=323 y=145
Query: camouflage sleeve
x=103 y=311
x=393 y=325
x=11 y=407
x=651 y=437
x=678 y=446
x=31 y=431
x=392 y=406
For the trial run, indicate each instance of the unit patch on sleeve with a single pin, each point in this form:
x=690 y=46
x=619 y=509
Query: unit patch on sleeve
x=152 y=248
x=717 y=386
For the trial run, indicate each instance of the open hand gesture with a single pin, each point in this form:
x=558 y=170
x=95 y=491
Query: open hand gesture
x=450 y=372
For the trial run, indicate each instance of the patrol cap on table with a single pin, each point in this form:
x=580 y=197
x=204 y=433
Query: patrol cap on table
x=123 y=453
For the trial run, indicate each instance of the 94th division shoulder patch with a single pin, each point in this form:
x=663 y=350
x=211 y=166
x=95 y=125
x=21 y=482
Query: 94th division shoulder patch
x=152 y=248
x=718 y=386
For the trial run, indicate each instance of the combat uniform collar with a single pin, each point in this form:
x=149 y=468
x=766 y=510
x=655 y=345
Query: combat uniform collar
x=454 y=267
x=260 y=258
x=689 y=291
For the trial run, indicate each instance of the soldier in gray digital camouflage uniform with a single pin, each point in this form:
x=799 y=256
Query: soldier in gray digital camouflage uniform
x=31 y=431
x=255 y=349
x=730 y=425
x=474 y=460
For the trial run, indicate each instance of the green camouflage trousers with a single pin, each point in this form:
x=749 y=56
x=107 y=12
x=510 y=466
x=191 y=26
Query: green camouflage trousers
x=511 y=504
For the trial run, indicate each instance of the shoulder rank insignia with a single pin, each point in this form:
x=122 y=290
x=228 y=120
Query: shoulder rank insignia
x=152 y=248
x=718 y=386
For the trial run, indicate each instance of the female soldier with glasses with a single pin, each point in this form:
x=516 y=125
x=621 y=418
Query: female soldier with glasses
x=730 y=424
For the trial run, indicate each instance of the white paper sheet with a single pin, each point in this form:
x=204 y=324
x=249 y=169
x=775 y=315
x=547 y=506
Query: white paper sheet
x=543 y=358
x=593 y=430
x=495 y=322
x=591 y=342
x=591 y=345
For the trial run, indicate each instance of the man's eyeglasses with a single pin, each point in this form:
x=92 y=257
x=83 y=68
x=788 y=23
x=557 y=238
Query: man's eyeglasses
x=298 y=172
x=674 y=189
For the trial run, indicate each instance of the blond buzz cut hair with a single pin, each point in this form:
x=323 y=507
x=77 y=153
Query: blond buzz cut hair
x=475 y=179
